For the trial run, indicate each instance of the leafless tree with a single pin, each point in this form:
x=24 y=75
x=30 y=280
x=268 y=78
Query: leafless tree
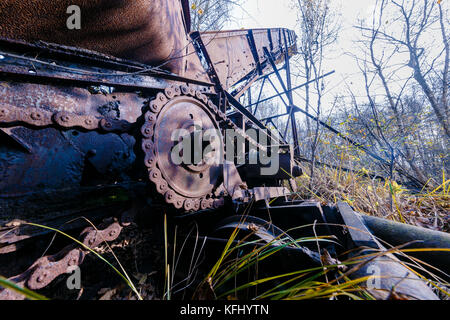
x=402 y=36
x=318 y=29
x=405 y=27
x=211 y=14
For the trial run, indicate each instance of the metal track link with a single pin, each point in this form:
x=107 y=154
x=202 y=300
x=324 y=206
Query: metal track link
x=48 y=268
x=42 y=118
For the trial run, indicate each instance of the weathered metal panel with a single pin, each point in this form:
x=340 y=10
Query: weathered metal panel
x=148 y=31
x=231 y=51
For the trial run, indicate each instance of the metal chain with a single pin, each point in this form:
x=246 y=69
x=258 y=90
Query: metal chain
x=42 y=118
x=46 y=269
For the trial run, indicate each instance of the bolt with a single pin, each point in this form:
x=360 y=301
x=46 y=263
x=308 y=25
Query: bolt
x=112 y=233
x=35 y=116
x=42 y=277
x=72 y=262
x=65 y=118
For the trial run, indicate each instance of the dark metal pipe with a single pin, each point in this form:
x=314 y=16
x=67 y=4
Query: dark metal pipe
x=396 y=234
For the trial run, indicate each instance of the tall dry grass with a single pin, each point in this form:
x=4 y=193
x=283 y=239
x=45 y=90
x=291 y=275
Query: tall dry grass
x=428 y=208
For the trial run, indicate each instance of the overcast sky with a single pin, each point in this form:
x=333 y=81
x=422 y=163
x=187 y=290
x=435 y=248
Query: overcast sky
x=278 y=13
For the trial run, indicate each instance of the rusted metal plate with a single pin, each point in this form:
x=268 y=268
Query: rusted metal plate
x=51 y=98
x=148 y=31
x=233 y=56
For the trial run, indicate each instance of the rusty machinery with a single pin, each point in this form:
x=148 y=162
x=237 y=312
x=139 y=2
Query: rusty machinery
x=85 y=134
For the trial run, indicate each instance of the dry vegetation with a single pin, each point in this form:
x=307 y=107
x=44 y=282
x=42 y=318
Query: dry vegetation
x=387 y=199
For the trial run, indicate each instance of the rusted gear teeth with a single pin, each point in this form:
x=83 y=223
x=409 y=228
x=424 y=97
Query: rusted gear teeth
x=202 y=108
x=172 y=92
x=213 y=107
x=206 y=204
x=189 y=204
x=155 y=175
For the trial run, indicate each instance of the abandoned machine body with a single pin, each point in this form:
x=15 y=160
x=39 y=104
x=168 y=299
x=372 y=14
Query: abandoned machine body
x=87 y=123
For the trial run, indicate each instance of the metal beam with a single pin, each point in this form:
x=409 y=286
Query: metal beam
x=240 y=108
x=251 y=43
x=259 y=97
x=298 y=87
x=274 y=117
x=274 y=67
x=279 y=94
x=291 y=101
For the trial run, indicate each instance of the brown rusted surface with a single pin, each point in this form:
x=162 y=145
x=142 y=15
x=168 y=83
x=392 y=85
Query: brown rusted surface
x=67 y=115
x=148 y=31
x=187 y=186
x=48 y=268
x=232 y=56
x=52 y=99
x=34 y=116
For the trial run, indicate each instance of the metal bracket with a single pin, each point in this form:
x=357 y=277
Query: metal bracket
x=251 y=43
x=361 y=236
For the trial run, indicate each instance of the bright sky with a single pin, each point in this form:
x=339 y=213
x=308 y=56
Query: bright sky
x=279 y=13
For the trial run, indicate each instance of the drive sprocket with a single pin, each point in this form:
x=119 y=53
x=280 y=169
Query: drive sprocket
x=187 y=177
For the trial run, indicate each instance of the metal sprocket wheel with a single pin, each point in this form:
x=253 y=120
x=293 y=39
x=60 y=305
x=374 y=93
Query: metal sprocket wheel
x=177 y=114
